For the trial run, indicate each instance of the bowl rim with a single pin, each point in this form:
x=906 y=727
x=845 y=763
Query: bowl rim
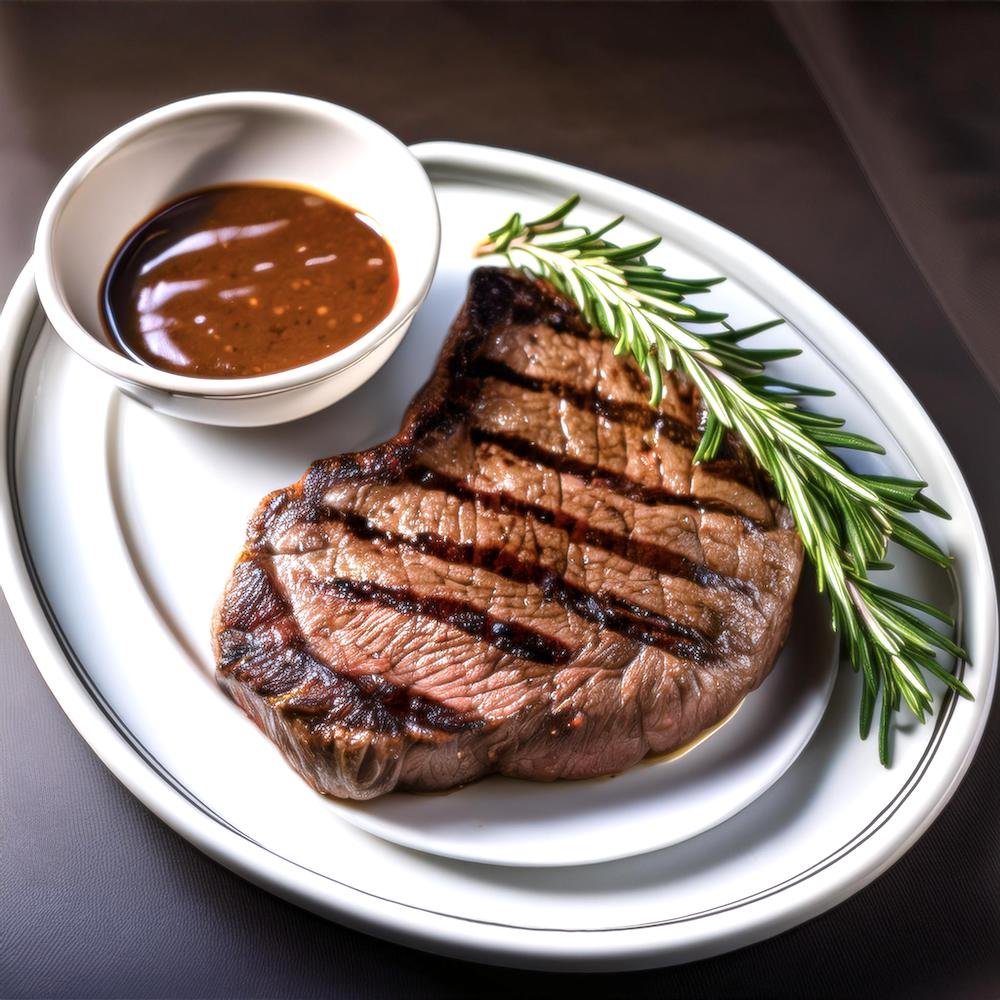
x=126 y=369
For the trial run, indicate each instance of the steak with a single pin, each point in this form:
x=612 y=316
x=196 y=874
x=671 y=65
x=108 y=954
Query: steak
x=531 y=578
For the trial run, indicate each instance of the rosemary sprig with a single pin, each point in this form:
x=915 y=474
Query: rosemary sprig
x=845 y=518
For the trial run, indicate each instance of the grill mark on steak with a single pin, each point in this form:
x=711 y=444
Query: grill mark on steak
x=616 y=482
x=259 y=620
x=365 y=700
x=636 y=414
x=649 y=555
x=510 y=637
x=607 y=610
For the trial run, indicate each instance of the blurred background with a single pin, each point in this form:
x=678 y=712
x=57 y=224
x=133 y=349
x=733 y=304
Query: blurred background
x=857 y=144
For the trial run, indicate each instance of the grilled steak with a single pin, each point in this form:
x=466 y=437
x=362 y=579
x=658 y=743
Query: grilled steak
x=530 y=578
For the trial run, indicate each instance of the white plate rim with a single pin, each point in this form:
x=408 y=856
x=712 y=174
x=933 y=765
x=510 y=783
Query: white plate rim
x=940 y=769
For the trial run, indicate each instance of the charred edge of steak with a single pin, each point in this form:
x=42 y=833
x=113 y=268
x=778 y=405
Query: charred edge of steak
x=305 y=705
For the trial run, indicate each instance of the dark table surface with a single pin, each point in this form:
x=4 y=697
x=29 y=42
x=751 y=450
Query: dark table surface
x=859 y=145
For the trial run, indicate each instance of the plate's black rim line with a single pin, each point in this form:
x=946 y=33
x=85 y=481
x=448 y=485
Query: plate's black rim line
x=35 y=326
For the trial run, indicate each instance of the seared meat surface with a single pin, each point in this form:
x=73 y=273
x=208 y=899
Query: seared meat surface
x=530 y=578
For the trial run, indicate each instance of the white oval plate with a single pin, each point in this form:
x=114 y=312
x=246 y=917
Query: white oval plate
x=118 y=643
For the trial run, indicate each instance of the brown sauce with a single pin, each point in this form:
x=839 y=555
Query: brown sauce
x=247 y=279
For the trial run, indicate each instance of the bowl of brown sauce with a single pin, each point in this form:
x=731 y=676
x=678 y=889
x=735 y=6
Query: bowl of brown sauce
x=239 y=259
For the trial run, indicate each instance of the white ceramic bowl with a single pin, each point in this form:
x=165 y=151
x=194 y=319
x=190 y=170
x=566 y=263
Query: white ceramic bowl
x=218 y=139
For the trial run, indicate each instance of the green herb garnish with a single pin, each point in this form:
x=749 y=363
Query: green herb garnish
x=845 y=518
